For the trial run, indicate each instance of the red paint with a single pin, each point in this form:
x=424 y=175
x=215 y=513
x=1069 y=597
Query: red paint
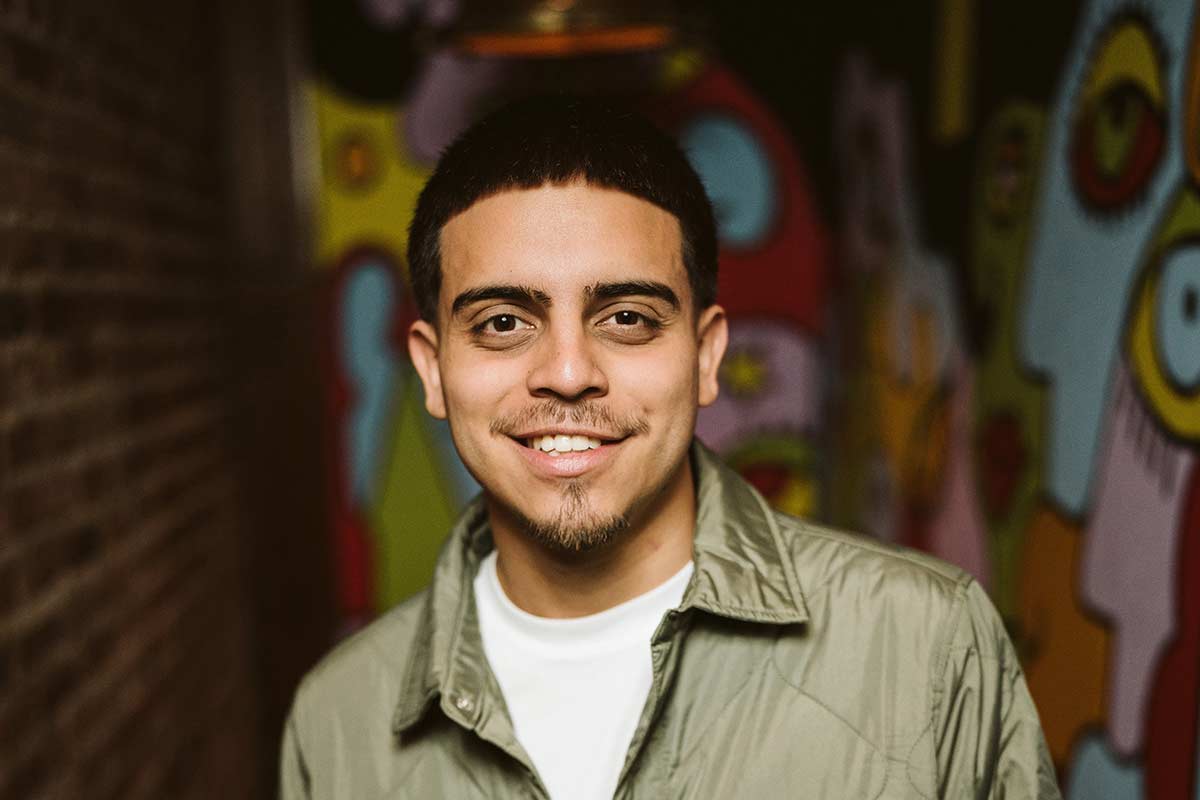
x=353 y=546
x=1170 y=760
x=786 y=277
x=1001 y=461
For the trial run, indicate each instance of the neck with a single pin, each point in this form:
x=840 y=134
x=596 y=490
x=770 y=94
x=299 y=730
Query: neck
x=558 y=584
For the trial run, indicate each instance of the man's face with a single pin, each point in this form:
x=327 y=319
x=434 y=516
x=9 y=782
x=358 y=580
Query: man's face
x=568 y=357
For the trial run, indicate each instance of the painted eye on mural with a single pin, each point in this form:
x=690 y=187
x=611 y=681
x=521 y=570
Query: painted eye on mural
x=1165 y=340
x=738 y=176
x=1120 y=119
x=1178 y=320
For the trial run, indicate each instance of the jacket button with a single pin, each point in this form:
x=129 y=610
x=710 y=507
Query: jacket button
x=463 y=703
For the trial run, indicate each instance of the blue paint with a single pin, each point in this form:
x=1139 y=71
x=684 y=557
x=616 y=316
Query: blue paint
x=462 y=486
x=1177 y=318
x=1083 y=263
x=1097 y=775
x=368 y=303
x=737 y=175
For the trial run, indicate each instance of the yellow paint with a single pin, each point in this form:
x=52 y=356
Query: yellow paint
x=1127 y=55
x=369 y=186
x=414 y=512
x=1002 y=211
x=953 y=70
x=1178 y=413
x=798 y=496
x=745 y=373
x=913 y=417
x=681 y=66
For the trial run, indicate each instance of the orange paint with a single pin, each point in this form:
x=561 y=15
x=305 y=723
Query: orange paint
x=609 y=40
x=1064 y=652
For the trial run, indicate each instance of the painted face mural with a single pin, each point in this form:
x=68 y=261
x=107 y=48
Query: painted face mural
x=1008 y=405
x=909 y=439
x=1112 y=162
x=396 y=475
x=1118 y=223
x=363 y=294
x=1136 y=568
x=772 y=282
x=1032 y=545
x=1163 y=349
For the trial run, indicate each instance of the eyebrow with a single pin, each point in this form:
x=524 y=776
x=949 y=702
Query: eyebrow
x=521 y=295
x=612 y=291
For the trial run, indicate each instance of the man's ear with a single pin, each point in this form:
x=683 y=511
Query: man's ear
x=423 y=350
x=712 y=330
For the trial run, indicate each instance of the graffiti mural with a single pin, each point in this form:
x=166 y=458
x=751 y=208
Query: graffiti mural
x=981 y=339
x=768 y=421
x=1077 y=321
x=905 y=473
x=396 y=481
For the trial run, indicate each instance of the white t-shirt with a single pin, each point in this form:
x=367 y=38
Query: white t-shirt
x=574 y=688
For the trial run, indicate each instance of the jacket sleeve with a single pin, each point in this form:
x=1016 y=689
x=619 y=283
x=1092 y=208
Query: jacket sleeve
x=989 y=742
x=294 y=783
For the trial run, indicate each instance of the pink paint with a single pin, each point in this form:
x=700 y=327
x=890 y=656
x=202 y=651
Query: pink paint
x=957 y=531
x=790 y=399
x=1130 y=552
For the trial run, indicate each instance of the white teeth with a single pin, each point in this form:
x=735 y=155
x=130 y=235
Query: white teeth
x=563 y=443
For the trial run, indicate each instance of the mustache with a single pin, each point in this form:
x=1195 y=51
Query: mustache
x=587 y=413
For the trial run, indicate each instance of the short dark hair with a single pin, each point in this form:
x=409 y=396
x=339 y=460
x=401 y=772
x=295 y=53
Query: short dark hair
x=559 y=140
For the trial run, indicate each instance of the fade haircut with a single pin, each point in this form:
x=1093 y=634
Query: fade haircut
x=561 y=140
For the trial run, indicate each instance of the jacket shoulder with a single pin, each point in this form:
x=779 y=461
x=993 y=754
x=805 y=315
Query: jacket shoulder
x=366 y=669
x=825 y=557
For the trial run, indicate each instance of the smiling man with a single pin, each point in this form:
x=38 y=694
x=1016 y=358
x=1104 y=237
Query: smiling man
x=618 y=615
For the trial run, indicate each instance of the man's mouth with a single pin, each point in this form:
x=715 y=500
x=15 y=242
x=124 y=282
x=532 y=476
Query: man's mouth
x=566 y=454
x=556 y=443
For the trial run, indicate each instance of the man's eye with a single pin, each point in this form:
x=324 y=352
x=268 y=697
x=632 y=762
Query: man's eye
x=631 y=326
x=502 y=323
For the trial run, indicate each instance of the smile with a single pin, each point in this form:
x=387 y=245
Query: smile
x=557 y=454
x=558 y=443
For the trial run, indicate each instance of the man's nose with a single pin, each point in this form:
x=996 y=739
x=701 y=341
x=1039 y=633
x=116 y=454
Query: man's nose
x=566 y=366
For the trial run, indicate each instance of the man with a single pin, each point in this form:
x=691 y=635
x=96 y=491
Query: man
x=619 y=615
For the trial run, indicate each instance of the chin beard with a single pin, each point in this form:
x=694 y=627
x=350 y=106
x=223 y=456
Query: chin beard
x=576 y=529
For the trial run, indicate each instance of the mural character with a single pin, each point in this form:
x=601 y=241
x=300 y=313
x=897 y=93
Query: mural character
x=397 y=480
x=911 y=435
x=1107 y=325
x=1137 y=560
x=1111 y=164
x=1008 y=405
x=767 y=421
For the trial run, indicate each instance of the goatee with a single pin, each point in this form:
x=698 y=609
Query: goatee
x=576 y=529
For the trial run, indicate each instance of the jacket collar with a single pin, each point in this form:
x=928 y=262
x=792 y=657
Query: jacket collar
x=743 y=571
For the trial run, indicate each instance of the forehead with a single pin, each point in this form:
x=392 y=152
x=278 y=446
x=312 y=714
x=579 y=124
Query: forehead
x=561 y=239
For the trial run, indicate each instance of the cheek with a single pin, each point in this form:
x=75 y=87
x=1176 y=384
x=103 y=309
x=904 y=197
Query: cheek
x=664 y=388
x=474 y=388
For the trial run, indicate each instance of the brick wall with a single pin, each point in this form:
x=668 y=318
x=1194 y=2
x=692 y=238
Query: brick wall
x=126 y=667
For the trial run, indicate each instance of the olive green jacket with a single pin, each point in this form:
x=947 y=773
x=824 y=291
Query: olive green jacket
x=802 y=662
